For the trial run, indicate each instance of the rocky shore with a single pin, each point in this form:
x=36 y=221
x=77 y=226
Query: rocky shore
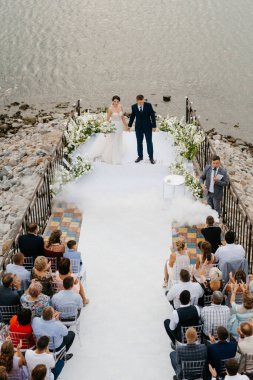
x=237 y=156
x=28 y=138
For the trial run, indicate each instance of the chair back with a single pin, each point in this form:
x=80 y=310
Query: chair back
x=193 y=369
x=27 y=340
x=28 y=263
x=76 y=266
x=207 y=300
x=53 y=261
x=248 y=363
x=198 y=328
x=57 y=286
x=7 y=312
x=68 y=312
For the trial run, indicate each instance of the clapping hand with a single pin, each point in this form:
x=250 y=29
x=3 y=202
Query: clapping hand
x=212 y=371
x=56 y=314
x=212 y=339
x=19 y=346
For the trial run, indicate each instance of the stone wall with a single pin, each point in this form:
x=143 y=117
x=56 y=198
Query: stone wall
x=28 y=138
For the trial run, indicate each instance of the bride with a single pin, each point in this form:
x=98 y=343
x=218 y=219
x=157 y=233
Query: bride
x=109 y=147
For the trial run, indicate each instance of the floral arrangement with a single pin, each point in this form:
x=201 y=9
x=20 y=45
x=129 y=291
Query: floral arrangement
x=187 y=137
x=70 y=172
x=80 y=129
x=191 y=182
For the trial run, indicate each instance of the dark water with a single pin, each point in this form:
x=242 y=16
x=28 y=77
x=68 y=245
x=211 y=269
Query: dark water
x=56 y=50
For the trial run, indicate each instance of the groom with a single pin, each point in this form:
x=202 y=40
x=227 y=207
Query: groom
x=144 y=125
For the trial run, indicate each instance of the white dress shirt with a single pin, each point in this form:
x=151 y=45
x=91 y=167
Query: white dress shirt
x=229 y=252
x=211 y=187
x=194 y=288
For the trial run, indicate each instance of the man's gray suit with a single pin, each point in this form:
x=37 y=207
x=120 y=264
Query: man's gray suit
x=214 y=198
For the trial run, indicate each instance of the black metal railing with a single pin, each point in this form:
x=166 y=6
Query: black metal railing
x=40 y=207
x=234 y=213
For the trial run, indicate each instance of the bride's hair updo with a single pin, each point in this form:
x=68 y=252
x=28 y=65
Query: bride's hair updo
x=116 y=97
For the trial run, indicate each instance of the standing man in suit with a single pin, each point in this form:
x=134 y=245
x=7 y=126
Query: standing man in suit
x=145 y=124
x=213 y=179
x=31 y=245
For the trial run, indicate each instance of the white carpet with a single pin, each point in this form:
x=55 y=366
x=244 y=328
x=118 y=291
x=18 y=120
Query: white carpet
x=125 y=239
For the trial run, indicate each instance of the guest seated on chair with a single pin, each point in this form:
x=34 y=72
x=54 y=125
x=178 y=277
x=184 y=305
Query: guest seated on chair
x=65 y=270
x=192 y=351
x=42 y=273
x=11 y=360
x=220 y=350
x=178 y=260
x=22 y=322
x=18 y=268
x=230 y=251
x=241 y=313
x=72 y=253
x=54 y=246
x=212 y=233
x=185 y=284
x=204 y=263
x=186 y=315
x=232 y=367
x=239 y=278
x=67 y=296
x=39 y=372
x=34 y=300
x=31 y=244
x=10 y=291
x=245 y=345
x=50 y=325
x=214 y=315
x=42 y=356
x=213 y=284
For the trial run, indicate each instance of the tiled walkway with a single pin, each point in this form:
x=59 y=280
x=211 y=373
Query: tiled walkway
x=192 y=237
x=67 y=218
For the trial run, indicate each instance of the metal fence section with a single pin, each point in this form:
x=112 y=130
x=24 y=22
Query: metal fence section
x=40 y=207
x=234 y=213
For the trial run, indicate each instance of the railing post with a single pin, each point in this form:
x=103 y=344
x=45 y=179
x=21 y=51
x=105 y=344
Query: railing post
x=78 y=107
x=187 y=110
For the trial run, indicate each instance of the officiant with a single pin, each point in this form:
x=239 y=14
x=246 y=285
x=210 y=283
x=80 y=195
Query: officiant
x=213 y=179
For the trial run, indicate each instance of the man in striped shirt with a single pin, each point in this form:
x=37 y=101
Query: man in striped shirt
x=214 y=315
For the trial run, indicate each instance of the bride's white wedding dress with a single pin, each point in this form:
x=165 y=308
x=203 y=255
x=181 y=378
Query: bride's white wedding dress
x=109 y=147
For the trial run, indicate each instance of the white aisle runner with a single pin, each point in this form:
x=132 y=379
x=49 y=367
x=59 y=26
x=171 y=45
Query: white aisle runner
x=125 y=239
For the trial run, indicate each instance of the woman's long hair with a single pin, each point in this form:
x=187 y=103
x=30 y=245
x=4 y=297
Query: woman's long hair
x=54 y=238
x=6 y=356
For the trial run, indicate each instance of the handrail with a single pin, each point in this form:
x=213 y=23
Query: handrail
x=234 y=213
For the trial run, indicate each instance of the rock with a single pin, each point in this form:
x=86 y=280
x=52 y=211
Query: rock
x=24 y=107
x=4 y=228
x=29 y=119
x=62 y=105
x=6 y=172
x=231 y=139
x=166 y=98
x=237 y=125
x=5 y=185
x=17 y=115
x=15 y=104
x=6 y=207
x=216 y=137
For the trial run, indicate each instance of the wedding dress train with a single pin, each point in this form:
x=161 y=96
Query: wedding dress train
x=109 y=147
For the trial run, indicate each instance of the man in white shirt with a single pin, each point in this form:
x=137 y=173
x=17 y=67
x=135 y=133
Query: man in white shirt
x=18 y=268
x=232 y=366
x=185 y=284
x=42 y=356
x=230 y=251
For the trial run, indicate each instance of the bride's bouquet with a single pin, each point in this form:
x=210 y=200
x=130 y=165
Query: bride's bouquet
x=83 y=127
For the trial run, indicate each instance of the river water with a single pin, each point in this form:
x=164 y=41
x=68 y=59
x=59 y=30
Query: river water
x=58 y=50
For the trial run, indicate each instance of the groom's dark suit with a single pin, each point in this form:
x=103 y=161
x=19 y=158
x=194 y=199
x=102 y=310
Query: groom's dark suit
x=145 y=121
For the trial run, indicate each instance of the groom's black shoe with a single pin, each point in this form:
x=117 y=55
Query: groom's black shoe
x=152 y=161
x=138 y=159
